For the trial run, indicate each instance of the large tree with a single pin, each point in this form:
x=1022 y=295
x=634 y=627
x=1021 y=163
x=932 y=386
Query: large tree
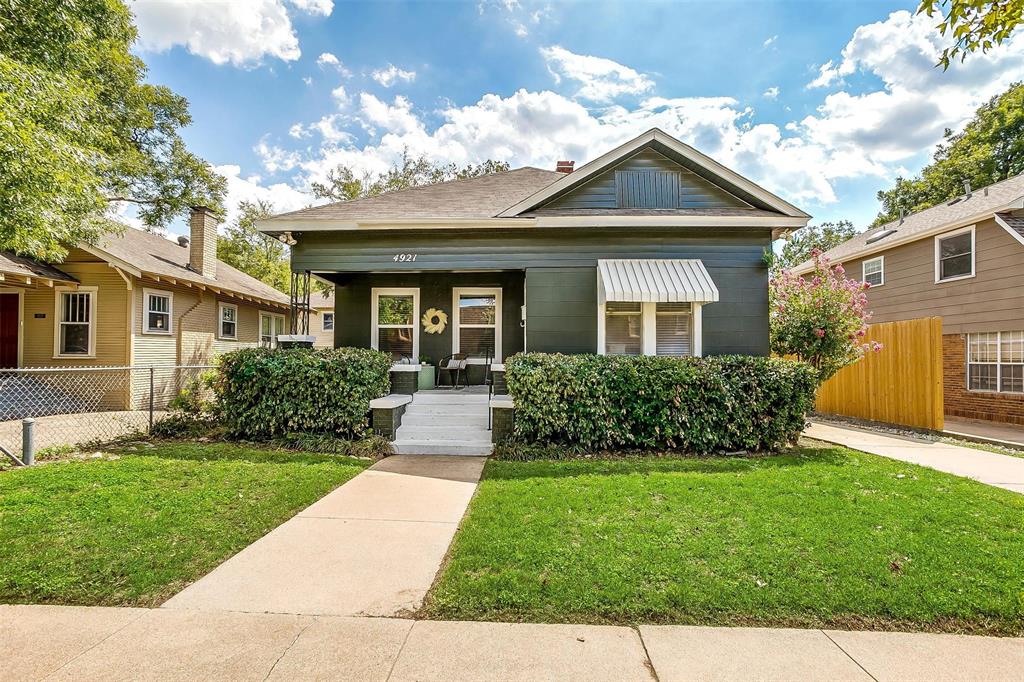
x=801 y=246
x=342 y=184
x=252 y=252
x=975 y=24
x=80 y=129
x=989 y=149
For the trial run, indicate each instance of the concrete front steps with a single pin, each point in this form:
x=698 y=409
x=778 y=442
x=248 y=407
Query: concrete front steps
x=444 y=422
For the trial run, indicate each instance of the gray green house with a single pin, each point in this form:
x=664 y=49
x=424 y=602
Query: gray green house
x=652 y=248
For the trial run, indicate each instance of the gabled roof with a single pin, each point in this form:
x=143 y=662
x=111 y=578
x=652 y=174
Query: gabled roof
x=23 y=270
x=681 y=153
x=983 y=203
x=150 y=255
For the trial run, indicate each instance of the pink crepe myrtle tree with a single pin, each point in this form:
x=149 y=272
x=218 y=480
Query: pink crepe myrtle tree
x=821 y=318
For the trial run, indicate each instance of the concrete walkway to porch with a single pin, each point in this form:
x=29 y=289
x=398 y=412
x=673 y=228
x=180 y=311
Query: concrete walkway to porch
x=96 y=643
x=1001 y=471
x=370 y=548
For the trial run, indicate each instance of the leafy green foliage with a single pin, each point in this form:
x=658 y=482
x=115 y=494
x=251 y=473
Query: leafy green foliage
x=343 y=185
x=254 y=253
x=79 y=128
x=989 y=149
x=698 y=405
x=976 y=24
x=372 y=446
x=268 y=393
x=801 y=245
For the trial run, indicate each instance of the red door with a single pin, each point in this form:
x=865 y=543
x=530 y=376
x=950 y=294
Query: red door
x=8 y=330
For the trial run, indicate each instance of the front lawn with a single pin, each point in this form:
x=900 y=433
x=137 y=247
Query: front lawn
x=136 y=527
x=821 y=536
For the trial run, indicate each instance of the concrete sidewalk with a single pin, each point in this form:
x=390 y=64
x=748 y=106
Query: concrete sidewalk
x=92 y=643
x=370 y=548
x=1001 y=471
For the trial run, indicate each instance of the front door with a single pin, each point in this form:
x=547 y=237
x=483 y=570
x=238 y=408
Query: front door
x=8 y=331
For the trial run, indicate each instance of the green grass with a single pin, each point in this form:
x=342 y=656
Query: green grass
x=815 y=537
x=137 y=529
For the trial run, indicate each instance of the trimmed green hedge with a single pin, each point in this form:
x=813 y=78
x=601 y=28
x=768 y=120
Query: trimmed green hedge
x=698 y=405
x=269 y=393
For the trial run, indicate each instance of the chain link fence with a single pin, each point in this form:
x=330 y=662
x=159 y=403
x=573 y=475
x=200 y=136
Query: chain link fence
x=75 y=406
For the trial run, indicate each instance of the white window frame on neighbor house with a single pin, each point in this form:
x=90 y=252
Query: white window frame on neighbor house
x=649 y=329
x=221 y=307
x=272 y=317
x=58 y=322
x=323 y=321
x=146 y=329
x=457 y=324
x=881 y=270
x=998 y=363
x=974 y=254
x=375 y=328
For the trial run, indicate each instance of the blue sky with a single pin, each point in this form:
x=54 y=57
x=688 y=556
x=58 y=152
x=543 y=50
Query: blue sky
x=823 y=103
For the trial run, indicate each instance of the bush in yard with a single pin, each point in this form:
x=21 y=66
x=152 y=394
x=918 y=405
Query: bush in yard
x=821 y=319
x=698 y=405
x=268 y=393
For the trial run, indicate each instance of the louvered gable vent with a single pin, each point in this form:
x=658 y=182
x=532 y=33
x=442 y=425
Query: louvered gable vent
x=647 y=188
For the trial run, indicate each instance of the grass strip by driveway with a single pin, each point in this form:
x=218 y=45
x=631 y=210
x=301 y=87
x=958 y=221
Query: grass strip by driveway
x=815 y=537
x=137 y=529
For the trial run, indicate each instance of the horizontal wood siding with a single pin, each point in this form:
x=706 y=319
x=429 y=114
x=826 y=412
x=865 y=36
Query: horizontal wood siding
x=693 y=190
x=901 y=384
x=561 y=310
x=993 y=300
x=323 y=339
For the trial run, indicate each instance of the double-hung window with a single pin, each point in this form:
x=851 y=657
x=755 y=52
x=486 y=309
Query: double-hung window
x=477 y=324
x=623 y=328
x=635 y=328
x=227 y=321
x=394 y=317
x=873 y=271
x=328 y=322
x=76 y=322
x=995 y=362
x=157 y=314
x=954 y=255
x=673 y=329
x=271 y=326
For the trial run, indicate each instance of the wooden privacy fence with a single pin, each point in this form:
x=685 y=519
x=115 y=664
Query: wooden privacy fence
x=901 y=384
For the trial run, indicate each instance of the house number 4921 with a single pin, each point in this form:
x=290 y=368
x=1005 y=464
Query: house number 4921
x=404 y=258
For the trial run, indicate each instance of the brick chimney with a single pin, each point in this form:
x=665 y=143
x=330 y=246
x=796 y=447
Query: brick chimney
x=564 y=166
x=202 y=257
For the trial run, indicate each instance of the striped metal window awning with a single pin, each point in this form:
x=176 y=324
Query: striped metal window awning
x=655 y=281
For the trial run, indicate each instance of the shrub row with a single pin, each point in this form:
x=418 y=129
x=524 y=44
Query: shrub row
x=269 y=393
x=697 y=405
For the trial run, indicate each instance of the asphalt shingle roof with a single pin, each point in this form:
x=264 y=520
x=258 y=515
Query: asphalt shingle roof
x=1016 y=224
x=27 y=267
x=990 y=198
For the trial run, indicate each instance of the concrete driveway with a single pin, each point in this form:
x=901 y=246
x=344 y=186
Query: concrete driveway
x=370 y=548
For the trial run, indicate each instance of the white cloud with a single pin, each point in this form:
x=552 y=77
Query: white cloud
x=328 y=60
x=275 y=158
x=240 y=32
x=390 y=75
x=771 y=93
x=299 y=131
x=829 y=74
x=315 y=7
x=308 y=80
x=602 y=80
x=340 y=95
x=282 y=196
x=769 y=41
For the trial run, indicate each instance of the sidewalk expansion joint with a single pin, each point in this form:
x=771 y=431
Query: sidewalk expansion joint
x=855 y=661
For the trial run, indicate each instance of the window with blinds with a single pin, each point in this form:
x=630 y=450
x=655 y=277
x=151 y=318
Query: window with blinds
x=623 y=328
x=673 y=329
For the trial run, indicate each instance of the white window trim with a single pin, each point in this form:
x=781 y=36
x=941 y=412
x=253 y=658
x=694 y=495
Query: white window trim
x=998 y=363
x=974 y=254
x=323 y=320
x=480 y=291
x=220 y=321
x=375 y=295
x=649 y=327
x=263 y=314
x=863 y=270
x=145 y=312
x=93 y=295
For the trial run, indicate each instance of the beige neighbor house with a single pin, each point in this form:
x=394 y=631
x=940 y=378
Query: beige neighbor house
x=321 y=323
x=134 y=299
x=963 y=261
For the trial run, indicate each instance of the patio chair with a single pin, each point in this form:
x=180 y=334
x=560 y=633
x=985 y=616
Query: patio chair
x=455 y=364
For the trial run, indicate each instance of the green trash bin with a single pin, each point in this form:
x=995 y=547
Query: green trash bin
x=426 y=377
